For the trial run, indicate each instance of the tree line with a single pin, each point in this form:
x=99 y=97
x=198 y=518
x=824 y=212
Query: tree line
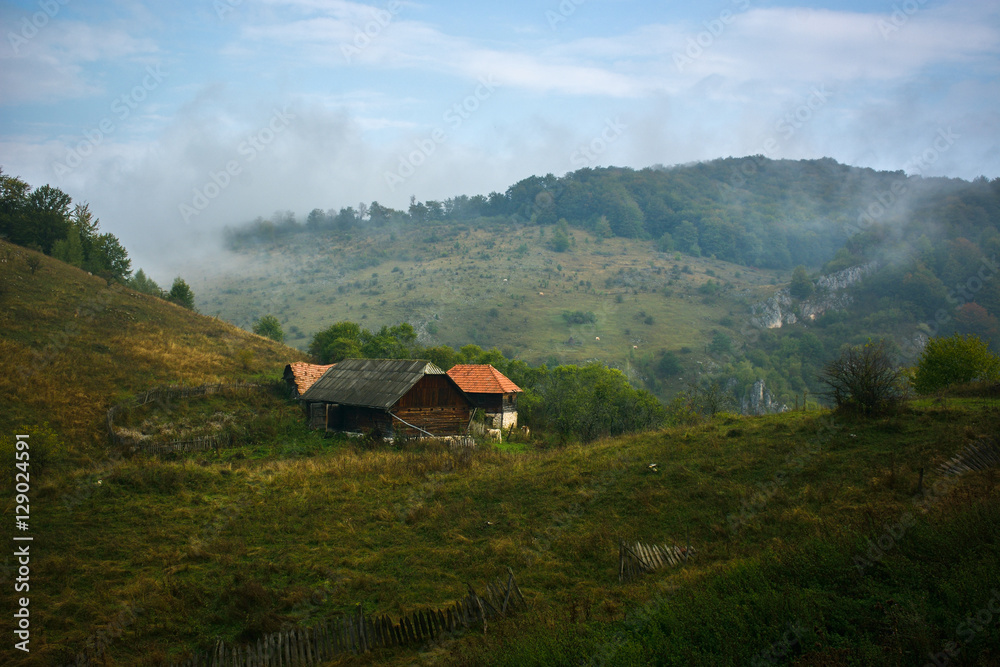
x=752 y=211
x=46 y=219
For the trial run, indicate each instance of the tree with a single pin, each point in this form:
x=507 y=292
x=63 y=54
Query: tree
x=181 y=294
x=971 y=318
x=669 y=365
x=666 y=243
x=140 y=282
x=721 y=344
x=590 y=401
x=801 y=287
x=108 y=254
x=953 y=360
x=268 y=326
x=602 y=228
x=686 y=238
x=316 y=220
x=338 y=341
x=865 y=379
x=13 y=202
x=560 y=237
x=69 y=249
x=710 y=396
x=345 y=219
x=389 y=343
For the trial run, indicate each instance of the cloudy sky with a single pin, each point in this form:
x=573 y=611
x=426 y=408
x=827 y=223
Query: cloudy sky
x=174 y=119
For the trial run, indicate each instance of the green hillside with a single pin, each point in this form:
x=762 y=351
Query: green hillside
x=73 y=344
x=626 y=267
x=152 y=558
x=461 y=284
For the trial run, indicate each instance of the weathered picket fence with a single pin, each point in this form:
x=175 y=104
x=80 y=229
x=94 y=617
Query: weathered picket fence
x=978 y=455
x=635 y=559
x=166 y=394
x=359 y=632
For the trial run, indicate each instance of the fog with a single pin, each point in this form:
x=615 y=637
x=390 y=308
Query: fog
x=175 y=122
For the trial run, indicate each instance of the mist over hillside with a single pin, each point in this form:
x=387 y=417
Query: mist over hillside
x=662 y=263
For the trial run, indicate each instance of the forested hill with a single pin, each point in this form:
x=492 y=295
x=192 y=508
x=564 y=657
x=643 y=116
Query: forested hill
x=752 y=211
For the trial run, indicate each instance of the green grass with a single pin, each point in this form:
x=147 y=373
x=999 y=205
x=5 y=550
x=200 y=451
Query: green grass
x=242 y=543
x=293 y=527
x=485 y=293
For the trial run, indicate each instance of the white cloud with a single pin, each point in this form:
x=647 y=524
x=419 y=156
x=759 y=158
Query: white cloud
x=55 y=64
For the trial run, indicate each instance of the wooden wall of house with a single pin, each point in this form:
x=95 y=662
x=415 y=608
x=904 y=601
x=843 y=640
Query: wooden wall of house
x=316 y=413
x=495 y=403
x=435 y=405
x=436 y=421
x=358 y=419
x=433 y=391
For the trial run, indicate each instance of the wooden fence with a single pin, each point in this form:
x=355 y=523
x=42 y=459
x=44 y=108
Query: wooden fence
x=195 y=444
x=978 y=455
x=359 y=633
x=638 y=558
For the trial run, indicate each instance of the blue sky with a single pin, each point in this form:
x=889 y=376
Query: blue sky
x=175 y=119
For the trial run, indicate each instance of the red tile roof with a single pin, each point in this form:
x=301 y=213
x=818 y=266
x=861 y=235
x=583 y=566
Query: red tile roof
x=304 y=375
x=481 y=379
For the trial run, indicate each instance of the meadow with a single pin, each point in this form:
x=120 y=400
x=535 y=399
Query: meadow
x=812 y=543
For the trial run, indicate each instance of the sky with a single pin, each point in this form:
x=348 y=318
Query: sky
x=173 y=120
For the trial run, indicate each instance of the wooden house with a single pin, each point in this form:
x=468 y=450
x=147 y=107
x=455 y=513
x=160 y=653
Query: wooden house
x=390 y=397
x=489 y=390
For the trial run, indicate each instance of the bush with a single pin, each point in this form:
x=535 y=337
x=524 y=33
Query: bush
x=954 y=360
x=669 y=365
x=269 y=327
x=579 y=317
x=866 y=380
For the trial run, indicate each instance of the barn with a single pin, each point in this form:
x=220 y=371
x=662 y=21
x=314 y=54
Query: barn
x=391 y=397
x=489 y=390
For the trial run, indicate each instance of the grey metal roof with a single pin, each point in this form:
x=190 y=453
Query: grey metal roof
x=372 y=383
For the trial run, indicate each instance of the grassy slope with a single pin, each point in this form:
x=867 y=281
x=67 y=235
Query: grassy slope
x=72 y=345
x=448 y=288
x=295 y=527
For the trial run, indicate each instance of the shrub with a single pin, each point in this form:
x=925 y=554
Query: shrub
x=269 y=327
x=866 y=380
x=669 y=365
x=953 y=360
x=579 y=317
